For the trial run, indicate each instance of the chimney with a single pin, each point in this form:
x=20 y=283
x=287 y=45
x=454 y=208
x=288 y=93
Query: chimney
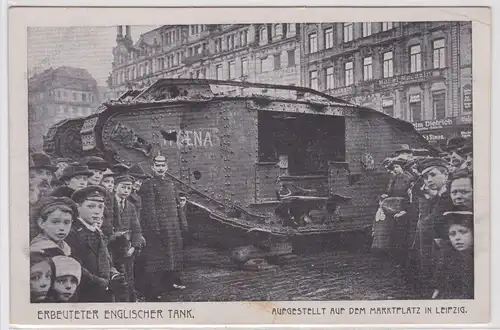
x=127 y=32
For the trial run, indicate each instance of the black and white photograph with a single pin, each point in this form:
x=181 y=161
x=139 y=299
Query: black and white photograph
x=235 y=162
x=270 y=162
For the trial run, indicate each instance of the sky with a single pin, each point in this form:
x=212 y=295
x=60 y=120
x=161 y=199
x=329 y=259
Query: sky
x=81 y=47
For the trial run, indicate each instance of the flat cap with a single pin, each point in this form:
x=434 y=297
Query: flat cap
x=41 y=160
x=124 y=178
x=426 y=164
x=464 y=218
x=75 y=169
x=108 y=172
x=96 y=163
x=49 y=204
x=90 y=193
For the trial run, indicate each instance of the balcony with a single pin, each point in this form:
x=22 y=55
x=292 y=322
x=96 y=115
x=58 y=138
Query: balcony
x=195 y=58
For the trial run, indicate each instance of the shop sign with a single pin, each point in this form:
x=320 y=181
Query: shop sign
x=435 y=137
x=341 y=91
x=433 y=124
x=387 y=102
x=467 y=97
x=415 y=77
x=414 y=98
x=465 y=119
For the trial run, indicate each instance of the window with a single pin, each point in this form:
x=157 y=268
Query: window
x=328 y=38
x=313 y=79
x=230 y=42
x=415 y=108
x=74 y=96
x=387 y=26
x=329 y=78
x=277 y=30
x=415 y=59
x=58 y=94
x=263 y=35
x=367 y=29
x=439 y=104
x=291 y=29
x=438 y=53
x=291 y=58
x=388 y=107
x=262 y=65
x=313 y=43
x=388 y=65
x=367 y=68
x=277 y=61
x=218 y=45
x=349 y=73
x=348 y=32
x=243 y=38
x=84 y=97
x=218 y=72
x=244 y=67
x=232 y=73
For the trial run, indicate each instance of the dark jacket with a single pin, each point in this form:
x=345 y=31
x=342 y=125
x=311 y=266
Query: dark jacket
x=90 y=249
x=454 y=276
x=136 y=200
x=127 y=220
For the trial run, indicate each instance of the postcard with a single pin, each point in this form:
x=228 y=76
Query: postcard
x=182 y=166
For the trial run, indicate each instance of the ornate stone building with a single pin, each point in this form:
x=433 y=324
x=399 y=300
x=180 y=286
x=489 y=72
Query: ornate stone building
x=57 y=94
x=418 y=71
x=267 y=53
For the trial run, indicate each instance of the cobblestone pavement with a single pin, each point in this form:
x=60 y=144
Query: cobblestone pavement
x=335 y=275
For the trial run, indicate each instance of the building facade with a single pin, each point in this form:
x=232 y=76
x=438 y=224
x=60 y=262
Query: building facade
x=267 y=53
x=57 y=94
x=417 y=71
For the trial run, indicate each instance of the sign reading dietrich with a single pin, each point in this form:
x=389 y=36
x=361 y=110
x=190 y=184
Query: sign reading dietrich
x=433 y=124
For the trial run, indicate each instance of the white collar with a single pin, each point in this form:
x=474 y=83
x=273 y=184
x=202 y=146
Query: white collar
x=89 y=227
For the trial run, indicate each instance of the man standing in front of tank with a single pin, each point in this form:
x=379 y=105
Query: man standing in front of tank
x=163 y=225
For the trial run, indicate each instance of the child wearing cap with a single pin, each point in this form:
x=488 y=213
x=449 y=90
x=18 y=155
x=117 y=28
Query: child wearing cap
x=126 y=220
x=108 y=180
x=454 y=275
x=89 y=247
x=41 y=276
x=68 y=273
x=54 y=216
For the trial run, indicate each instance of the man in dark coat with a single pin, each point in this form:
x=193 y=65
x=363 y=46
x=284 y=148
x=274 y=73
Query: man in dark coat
x=88 y=246
x=162 y=227
x=41 y=172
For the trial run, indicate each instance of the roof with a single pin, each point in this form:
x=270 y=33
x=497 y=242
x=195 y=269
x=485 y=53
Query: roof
x=64 y=76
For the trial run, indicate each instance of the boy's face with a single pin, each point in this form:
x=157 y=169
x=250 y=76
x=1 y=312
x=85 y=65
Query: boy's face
x=461 y=237
x=123 y=189
x=461 y=192
x=57 y=225
x=91 y=211
x=434 y=179
x=40 y=278
x=78 y=182
x=108 y=183
x=397 y=169
x=137 y=185
x=96 y=178
x=65 y=287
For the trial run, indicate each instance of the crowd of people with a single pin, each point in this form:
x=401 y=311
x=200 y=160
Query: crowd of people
x=425 y=221
x=102 y=232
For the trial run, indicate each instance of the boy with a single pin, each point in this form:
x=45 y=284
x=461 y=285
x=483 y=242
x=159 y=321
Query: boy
x=41 y=276
x=454 y=276
x=67 y=277
x=75 y=177
x=97 y=166
x=126 y=220
x=54 y=217
x=137 y=172
x=88 y=246
x=108 y=180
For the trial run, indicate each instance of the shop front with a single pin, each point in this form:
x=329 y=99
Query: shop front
x=440 y=131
